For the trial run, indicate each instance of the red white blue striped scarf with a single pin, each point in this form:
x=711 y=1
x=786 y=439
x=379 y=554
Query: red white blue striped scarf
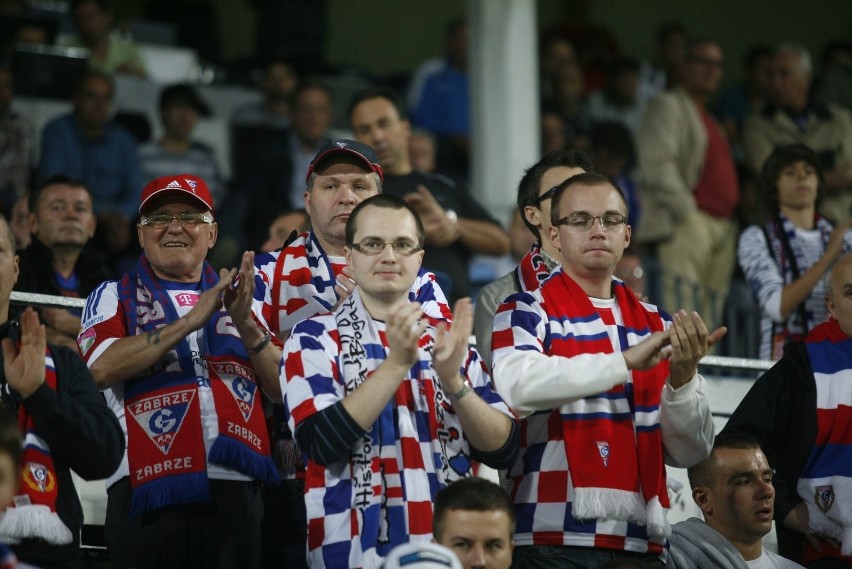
x=615 y=451
x=825 y=484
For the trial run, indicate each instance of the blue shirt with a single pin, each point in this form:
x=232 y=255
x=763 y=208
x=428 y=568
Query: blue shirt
x=108 y=165
x=443 y=106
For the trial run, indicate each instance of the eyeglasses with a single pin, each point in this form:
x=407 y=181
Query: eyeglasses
x=373 y=247
x=184 y=219
x=583 y=221
x=546 y=195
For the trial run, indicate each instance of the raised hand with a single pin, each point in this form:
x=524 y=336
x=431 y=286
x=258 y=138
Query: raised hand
x=24 y=366
x=238 y=298
x=210 y=300
x=690 y=342
x=452 y=344
x=440 y=229
x=344 y=285
x=405 y=325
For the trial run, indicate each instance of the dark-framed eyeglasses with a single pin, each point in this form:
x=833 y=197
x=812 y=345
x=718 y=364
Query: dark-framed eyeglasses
x=373 y=247
x=584 y=221
x=161 y=220
x=546 y=195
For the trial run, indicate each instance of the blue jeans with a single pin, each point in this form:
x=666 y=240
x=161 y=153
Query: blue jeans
x=574 y=557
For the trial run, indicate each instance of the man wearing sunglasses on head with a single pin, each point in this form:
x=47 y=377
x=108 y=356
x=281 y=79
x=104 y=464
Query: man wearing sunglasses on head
x=182 y=373
x=387 y=408
x=603 y=401
x=535 y=192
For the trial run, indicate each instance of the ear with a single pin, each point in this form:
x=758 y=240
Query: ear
x=533 y=215
x=17 y=269
x=702 y=500
x=553 y=232
x=347 y=253
x=214 y=234
x=32 y=222
x=832 y=309
x=628 y=232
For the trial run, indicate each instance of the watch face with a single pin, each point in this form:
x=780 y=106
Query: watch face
x=452 y=215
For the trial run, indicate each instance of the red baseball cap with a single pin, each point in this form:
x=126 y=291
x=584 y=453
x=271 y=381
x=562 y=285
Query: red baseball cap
x=179 y=183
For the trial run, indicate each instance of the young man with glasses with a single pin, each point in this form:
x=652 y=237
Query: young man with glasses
x=387 y=408
x=182 y=372
x=306 y=277
x=535 y=192
x=607 y=387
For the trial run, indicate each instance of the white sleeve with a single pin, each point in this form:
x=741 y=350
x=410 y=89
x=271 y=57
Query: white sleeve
x=686 y=423
x=532 y=381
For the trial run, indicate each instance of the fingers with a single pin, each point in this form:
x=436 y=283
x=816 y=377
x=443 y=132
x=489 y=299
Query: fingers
x=406 y=323
x=345 y=284
x=463 y=317
x=717 y=335
x=9 y=352
x=689 y=337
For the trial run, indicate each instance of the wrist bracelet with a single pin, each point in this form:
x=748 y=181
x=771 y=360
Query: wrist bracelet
x=460 y=393
x=260 y=346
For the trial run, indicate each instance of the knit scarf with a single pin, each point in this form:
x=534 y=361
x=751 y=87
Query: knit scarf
x=34 y=512
x=532 y=270
x=165 y=440
x=382 y=477
x=612 y=440
x=825 y=484
x=785 y=248
x=303 y=284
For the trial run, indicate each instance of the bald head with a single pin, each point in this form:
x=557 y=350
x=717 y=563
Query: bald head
x=838 y=291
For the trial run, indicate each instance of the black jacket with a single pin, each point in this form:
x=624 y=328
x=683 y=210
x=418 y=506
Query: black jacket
x=780 y=412
x=37 y=270
x=83 y=434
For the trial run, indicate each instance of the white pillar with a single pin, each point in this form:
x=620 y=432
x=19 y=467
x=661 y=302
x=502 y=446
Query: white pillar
x=504 y=99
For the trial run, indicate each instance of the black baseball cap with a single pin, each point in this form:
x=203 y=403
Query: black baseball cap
x=345 y=147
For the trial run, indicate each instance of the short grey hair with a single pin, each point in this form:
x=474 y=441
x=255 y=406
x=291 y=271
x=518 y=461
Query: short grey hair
x=314 y=175
x=805 y=61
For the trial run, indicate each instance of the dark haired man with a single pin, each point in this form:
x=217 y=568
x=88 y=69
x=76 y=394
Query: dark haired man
x=456 y=225
x=733 y=488
x=58 y=260
x=476 y=519
x=535 y=191
x=581 y=359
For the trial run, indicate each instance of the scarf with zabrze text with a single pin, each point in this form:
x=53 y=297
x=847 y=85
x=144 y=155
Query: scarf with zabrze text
x=165 y=449
x=612 y=440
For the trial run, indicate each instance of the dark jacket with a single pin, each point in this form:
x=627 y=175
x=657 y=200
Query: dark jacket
x=37 y=270
x=780 y=412
x=83 y=434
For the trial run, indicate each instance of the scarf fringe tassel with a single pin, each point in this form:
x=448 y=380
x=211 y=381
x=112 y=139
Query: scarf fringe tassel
x=234 y=455
x=168 y=491
x=35 y=521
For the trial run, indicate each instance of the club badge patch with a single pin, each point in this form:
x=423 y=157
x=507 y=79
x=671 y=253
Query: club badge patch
x=603 y=450
x=824 y=498
x=86 y=340
x=37 y=477
x=161 y=416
